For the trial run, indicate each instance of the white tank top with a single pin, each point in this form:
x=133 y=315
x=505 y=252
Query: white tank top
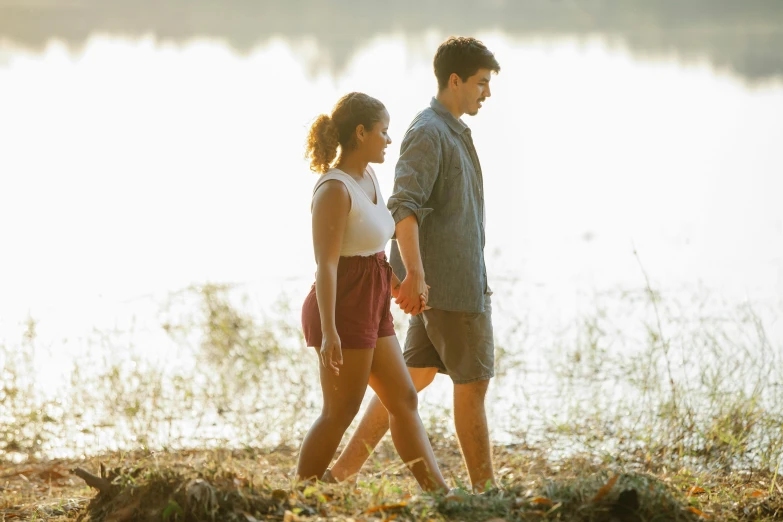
x=370 y=225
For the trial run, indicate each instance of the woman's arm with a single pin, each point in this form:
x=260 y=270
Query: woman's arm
x=331 y=204
x=395 y=285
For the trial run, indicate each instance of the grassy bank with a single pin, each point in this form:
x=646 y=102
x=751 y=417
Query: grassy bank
x=251 y=484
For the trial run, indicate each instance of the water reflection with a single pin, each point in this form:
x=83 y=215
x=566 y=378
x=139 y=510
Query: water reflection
x=138 y=167
x=744 y=38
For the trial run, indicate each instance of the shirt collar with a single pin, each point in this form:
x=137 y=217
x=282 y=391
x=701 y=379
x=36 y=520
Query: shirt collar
x=456 y=124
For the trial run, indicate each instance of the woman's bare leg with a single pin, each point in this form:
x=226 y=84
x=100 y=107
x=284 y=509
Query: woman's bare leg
x=371 y=429
x=343 y=396
x=393 y=385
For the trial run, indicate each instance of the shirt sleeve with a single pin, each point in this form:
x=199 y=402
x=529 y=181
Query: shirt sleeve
x=415 y=174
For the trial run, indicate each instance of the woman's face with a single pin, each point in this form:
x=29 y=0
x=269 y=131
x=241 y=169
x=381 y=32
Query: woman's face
x=377 y=139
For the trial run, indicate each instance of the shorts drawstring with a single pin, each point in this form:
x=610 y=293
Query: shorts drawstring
x=383 y=264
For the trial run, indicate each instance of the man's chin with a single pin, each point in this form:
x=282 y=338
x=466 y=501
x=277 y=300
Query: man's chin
x=473 y=112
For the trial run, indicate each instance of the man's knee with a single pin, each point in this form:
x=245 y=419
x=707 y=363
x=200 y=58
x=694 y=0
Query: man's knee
x=476 y=390
x=422 y=377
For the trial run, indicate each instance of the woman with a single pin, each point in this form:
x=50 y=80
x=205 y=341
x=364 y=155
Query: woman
x=347 y=317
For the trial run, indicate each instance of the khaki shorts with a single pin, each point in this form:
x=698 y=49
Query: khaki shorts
x=459 y=344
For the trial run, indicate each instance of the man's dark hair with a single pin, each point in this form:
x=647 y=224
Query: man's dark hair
x=464 y=56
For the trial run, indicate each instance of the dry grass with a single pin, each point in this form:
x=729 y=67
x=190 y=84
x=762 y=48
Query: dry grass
x=247 y=485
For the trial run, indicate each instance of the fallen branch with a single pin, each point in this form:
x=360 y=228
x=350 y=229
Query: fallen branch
x=102 y=485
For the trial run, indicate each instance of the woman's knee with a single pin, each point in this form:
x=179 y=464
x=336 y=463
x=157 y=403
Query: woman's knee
x=342 y=414
x=403 y=401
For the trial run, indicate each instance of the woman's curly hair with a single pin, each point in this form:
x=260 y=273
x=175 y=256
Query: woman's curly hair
x=329 y=132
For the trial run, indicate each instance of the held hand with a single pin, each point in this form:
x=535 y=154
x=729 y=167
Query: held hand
x=331 y=352
x=395 y=292
x=412 y=294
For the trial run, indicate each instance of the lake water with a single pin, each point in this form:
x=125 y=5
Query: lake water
x=141 y=154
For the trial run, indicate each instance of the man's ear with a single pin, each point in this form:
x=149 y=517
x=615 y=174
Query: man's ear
x=454 y=80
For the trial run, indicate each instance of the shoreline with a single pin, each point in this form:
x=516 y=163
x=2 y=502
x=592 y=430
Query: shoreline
x=256 y=483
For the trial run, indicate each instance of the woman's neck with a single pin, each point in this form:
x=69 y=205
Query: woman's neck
x=352 y=165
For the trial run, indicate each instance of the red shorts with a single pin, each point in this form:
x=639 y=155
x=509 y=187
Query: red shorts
x=363 y=305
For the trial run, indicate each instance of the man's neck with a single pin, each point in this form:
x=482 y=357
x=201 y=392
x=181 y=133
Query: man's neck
x=445 y=99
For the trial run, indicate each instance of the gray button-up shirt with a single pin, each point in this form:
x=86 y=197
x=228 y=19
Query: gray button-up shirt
x=438 y=179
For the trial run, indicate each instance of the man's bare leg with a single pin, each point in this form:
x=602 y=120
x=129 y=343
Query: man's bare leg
x=371 y=429
x=470 y=421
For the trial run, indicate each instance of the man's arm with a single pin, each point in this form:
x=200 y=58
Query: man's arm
x=415 y=175
x=414 y=284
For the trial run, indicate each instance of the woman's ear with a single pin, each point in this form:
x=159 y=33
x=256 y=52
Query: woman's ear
x=360 y=133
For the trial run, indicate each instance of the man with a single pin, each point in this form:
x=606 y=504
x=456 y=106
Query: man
x=438 y=208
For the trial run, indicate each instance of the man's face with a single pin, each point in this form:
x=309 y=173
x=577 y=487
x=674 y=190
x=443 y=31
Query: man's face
x=474 y=91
